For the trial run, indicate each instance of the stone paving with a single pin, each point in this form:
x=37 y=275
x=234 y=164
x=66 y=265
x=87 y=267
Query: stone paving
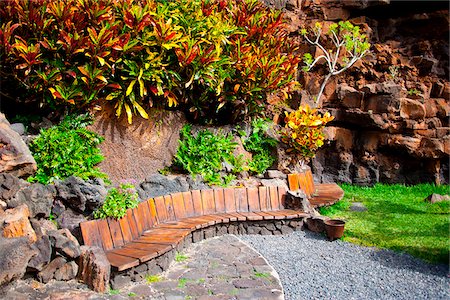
x=218 y=268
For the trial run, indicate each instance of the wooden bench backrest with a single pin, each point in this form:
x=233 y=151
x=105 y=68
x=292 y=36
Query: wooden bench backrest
x=303 y=181
x=110 y=233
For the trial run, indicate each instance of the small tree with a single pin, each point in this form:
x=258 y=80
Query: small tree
x=349 y=45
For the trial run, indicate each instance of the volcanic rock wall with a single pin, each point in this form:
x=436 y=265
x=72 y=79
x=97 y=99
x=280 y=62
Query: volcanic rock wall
x=392 y=108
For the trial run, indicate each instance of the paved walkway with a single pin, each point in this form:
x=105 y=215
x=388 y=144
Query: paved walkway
x=218 y=268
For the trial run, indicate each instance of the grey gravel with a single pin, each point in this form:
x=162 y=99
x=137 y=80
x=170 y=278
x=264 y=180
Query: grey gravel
x=310 y=267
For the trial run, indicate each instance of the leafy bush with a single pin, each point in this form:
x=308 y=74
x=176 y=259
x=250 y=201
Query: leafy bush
x=67 y=149
x=118 y=200
x=207 y=56
x=260 y=145
x=303 y=132
x=206 y=153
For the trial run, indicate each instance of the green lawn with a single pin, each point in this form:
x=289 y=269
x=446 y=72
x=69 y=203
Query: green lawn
x=397 y=218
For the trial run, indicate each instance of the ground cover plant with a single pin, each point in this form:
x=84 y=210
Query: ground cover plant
x=117 y=201
x=206 y=153
x=67 y=149
x=209 y=58
x=397 y=218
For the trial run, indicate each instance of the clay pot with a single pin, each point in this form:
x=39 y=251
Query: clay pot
x=334 y=228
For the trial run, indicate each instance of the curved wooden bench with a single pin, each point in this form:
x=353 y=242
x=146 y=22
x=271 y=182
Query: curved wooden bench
x=159 y=224
x=318 y=195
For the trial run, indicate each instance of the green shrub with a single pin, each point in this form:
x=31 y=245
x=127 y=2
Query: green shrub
x=67 y=149
x=261 y=146
x=206 y=153
x=118 y=200
x=206 y=56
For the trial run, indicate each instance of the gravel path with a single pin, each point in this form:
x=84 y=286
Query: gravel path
x=310 y=267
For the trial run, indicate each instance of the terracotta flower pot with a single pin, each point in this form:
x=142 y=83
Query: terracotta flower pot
x=334 y=229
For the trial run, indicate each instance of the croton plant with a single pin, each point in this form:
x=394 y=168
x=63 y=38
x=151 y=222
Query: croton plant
x=203 y=56
x=303 y=132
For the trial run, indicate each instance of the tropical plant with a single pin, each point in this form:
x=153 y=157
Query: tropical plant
x=348 y=45
x=261 y=146
x=303 y=132
x=206 y=153
x=118 y=200
x=207 y=57
x=67 y=149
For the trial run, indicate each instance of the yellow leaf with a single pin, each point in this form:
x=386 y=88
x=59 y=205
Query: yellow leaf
x=102 y=78
x=130 y=88
x=141 y=87
x=129 y=113
x=101 y=60
x=316 y=123
x=140 y=109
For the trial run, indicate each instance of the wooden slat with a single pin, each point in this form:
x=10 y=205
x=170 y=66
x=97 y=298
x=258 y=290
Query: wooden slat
x=197 y=202
x=144 y=213
x=169 y=208
x=167 y=232
x=137 y=220
x=253 y=199
x=91 y=234
x=282 y=196
x=161 y=239
x=177 y=225
x=178 y=206
x=153 y=212
x=188 y=204
x=133 y=226
x=230 y=202
x=208 y=202
x=140 y=218
x=142 y=255
x=252 y=216
x=105 y=234
x=161 y=209
x=126 y=230
x=229 y=217
x=241 y=199
x=121 y=262
x=239 y=216
x=293 y=182
x=264 y=198
x=274 y=203
x=156 y=249
x=303 y=183
x=116 y=232
x=310 y=180
x=265 y=215
x=219 y=200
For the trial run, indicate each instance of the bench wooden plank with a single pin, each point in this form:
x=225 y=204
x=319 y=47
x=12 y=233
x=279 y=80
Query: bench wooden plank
x=274 y=203
x=157 y=249
x=105 y=234
x=264 y=198
x=293 y=182
x=169 y=208
x=188 y=204
x=177 y=225
x=121 y=262
x=153 y=211
x=238 y=216
x=326 y=194
x=167 y=232
x=144 y=214
x=252 y=216
x=310 y=180
x=227 y=216
x=230 y=202
x=253 y=199
x=142 y=255
x=197 y=202
x=140 y=219
x=126 y=230
x=219 y=200
x=282 y=196
x=161 y=209
x=208 y=202
x=116 y=232
x=135 y=217
x=178 y=206
x=241 y=199
x=265 y=215
x=133 y=226
x=91 y=234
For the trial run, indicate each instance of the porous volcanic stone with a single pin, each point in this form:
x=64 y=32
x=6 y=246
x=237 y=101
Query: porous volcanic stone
x=38 y=197
x=15 y=253
x=95 y=269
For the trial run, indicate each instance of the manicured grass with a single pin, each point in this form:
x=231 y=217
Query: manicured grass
x=397 y=218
